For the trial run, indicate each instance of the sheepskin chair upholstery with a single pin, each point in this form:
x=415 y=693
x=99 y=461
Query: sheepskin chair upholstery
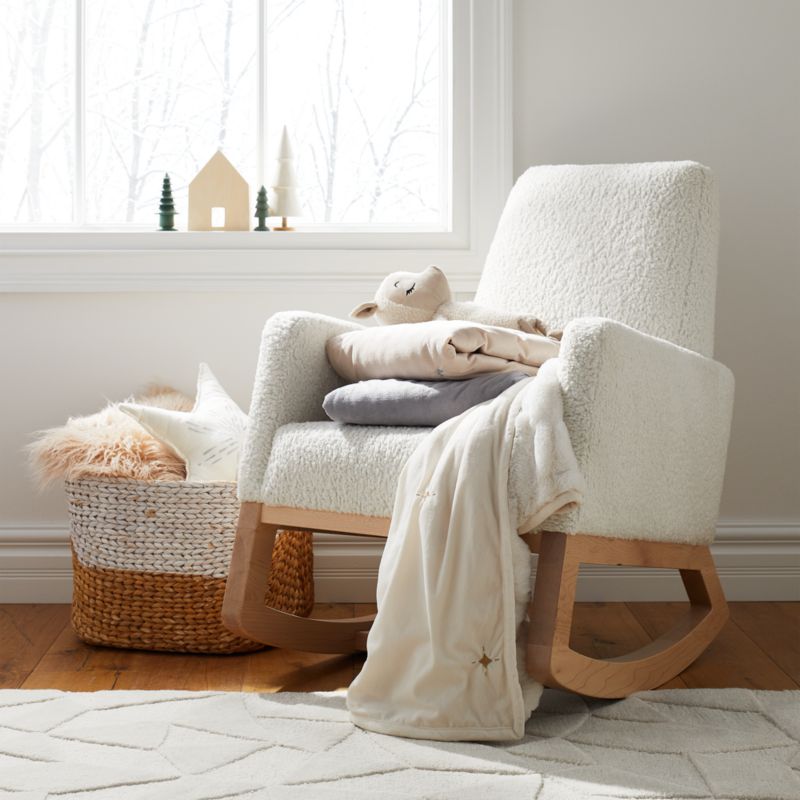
x=624 y=257
x=636 y=243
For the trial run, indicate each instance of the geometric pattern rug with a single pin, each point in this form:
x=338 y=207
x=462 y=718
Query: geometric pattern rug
x=677 y=744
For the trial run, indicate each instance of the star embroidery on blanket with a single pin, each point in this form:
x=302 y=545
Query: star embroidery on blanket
x=485 y=661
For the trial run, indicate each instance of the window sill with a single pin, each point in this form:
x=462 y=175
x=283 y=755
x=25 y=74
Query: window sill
x=157 y=261
x=105 y=239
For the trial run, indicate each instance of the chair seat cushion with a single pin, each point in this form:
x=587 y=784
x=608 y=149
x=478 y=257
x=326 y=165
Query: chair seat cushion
x=329 y=466
x=353 y=469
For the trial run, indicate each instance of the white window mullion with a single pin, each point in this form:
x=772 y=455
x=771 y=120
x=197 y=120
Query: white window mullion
x=261 y=143
x=446 y=115
x=79 y=195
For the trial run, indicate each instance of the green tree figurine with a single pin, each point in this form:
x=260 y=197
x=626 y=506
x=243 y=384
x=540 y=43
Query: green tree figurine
x=166 y=209
x=262 y=210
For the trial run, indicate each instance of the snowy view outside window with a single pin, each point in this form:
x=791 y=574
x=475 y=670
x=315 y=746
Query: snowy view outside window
x=363 y=86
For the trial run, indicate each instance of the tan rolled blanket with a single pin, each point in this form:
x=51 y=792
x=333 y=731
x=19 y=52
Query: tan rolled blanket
x=437 y=350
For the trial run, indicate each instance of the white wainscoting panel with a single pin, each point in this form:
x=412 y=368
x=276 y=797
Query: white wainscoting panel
x=756 y=561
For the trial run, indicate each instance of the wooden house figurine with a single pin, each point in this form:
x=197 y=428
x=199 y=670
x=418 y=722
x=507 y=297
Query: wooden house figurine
x=219 y=198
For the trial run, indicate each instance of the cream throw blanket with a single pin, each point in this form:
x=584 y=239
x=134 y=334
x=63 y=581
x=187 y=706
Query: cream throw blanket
x=454 y=579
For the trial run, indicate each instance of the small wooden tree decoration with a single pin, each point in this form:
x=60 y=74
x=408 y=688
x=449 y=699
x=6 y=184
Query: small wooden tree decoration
x=262 y=210
x=166 y=209
x=285 y=193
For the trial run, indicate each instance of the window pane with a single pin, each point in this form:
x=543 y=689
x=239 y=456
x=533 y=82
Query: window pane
x=167 y=84
x=36 y=111
x=359 y=84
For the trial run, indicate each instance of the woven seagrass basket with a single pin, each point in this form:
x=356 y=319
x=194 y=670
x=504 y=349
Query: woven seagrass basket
x=150 y=562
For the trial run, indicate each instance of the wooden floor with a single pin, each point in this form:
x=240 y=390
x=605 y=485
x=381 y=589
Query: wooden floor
x=758 y=649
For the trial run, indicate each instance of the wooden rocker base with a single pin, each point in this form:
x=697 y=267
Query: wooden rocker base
x=243 y=607
x=550 y=660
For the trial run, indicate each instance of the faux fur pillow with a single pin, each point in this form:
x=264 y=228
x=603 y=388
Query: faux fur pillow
x=109 y=444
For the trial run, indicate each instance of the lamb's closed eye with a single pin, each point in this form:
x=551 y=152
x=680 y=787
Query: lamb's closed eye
x=408 y=291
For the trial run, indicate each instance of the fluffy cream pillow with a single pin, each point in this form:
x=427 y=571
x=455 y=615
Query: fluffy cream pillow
x=208 y=438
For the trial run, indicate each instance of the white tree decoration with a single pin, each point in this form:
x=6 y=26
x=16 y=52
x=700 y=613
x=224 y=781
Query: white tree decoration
x=285 y=193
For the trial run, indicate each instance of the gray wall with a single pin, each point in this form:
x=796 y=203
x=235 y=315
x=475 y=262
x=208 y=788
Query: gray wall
x=717 y=81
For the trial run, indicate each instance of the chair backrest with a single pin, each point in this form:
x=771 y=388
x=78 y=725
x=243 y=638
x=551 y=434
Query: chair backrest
x=633 y=242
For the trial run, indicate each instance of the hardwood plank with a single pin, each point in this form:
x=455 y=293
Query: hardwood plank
x=280 y=670
x=775 y=628
x=607 y=630
x=73 y=666
x=90 y=681
x=38 y=649
x=182 y=671
x=733 y=660
x=26 y=633
x=76 y=666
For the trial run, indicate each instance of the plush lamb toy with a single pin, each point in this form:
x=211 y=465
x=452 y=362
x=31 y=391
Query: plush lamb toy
x=423 y=296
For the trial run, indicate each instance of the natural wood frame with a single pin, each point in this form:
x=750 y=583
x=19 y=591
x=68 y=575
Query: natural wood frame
x=243 y=607
x=550 y=659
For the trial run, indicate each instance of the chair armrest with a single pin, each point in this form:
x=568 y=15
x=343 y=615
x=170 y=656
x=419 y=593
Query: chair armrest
x=649 y=422
x=292 y=378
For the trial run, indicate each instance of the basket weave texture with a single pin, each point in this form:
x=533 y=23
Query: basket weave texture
x=150 y=561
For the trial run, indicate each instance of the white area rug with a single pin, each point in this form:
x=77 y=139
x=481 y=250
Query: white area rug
x=194 y=746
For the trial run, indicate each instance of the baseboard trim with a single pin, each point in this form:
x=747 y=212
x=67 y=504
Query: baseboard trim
x=756 y=561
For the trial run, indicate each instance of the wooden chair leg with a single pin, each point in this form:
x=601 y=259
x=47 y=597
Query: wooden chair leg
x=552 y=661
x=244 y=610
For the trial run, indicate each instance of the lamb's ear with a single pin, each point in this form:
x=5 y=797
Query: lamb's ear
x=364 y=310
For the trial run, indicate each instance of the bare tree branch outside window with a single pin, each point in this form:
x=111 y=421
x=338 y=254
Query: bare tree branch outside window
x=366 y=108
x=37 y=58
x=168 y=82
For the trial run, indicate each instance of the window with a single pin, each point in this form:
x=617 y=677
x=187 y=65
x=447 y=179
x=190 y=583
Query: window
x=408 y=189
x=100 y=98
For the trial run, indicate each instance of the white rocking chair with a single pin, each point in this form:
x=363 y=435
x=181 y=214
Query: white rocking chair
x=622 y=256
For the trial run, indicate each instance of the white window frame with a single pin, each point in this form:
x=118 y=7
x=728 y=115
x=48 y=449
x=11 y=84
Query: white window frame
x=481 y=170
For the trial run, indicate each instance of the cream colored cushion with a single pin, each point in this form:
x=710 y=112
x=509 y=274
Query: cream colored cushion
x=353 y=469
x=636 y=243
x=333 y=467
x=208 y=438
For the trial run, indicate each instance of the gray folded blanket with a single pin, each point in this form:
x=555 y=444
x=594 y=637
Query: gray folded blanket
x=391 y=401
